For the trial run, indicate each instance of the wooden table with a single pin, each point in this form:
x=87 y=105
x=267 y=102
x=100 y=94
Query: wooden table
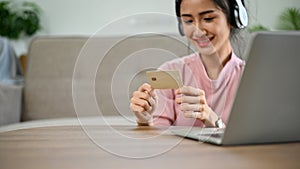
x=129 y=146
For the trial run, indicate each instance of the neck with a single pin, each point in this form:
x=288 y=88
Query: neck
x=215 y=62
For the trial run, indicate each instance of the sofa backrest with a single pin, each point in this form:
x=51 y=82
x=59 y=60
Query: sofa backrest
x=53 y=63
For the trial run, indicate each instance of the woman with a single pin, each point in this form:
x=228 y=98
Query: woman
x=210 y=76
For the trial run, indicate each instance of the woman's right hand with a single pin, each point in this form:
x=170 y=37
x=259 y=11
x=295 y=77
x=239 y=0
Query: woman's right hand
x=143 y=103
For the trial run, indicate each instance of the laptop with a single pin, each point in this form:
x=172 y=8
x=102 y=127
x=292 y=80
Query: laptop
x=267 y=104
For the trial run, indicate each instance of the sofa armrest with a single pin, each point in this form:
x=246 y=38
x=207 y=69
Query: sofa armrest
x=10 y=103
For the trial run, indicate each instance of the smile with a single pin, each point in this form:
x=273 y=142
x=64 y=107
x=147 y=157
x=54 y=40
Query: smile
x=203 y=42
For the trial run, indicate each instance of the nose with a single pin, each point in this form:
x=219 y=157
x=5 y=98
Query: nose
x=199 y=29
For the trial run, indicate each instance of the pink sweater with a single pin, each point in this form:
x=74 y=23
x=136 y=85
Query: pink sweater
x=220 y=93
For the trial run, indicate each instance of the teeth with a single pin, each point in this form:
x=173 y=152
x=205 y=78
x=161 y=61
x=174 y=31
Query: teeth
x=203 y=40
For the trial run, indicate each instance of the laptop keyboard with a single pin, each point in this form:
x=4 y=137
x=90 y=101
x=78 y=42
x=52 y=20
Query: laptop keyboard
x=210 y=132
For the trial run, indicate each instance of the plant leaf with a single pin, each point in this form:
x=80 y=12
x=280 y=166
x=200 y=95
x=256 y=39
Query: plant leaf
x=290 y=19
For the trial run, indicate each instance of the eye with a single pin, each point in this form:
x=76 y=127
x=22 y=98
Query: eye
x=188 y=22
x=209 y=19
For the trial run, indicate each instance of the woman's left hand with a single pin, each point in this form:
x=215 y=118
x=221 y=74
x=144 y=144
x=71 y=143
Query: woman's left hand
x=193 y=104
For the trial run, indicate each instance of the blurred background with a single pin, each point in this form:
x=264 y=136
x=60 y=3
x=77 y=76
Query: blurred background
x=85 y=17
x=48 y=89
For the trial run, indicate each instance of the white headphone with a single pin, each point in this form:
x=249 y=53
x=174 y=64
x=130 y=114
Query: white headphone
x=241 y=16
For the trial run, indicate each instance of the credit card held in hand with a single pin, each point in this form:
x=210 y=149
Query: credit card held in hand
x=164 y=79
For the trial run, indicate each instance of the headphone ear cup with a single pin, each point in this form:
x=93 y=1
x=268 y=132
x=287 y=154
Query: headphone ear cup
x=240 y=14
x=180 y=27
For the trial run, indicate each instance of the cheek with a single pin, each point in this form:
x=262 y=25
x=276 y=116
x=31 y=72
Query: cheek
x=223 y=30
x=223 y=34
x=188 y=30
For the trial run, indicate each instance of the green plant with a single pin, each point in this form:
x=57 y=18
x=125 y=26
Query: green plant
x=19 y=19
x=257 y=27
x=289 y=19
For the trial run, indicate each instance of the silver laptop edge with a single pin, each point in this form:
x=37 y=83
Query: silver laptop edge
x=267 y=104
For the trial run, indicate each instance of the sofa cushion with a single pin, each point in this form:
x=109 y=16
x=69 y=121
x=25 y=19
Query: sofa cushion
x=55 y=62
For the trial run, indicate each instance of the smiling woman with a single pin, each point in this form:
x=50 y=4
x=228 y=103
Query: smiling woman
x=210 y=76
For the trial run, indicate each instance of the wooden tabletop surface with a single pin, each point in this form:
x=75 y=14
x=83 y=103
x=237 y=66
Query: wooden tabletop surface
x=132 y=147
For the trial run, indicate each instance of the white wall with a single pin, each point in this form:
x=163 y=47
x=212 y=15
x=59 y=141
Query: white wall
x=85 y=17
x=266 y=12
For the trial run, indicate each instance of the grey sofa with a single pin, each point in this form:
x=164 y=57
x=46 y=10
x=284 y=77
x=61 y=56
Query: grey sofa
x=58 y=82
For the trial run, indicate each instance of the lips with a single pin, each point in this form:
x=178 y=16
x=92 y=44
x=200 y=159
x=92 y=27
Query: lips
x=203 y=42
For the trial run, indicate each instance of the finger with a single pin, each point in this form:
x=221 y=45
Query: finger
x=190 y=91
x=189 y=99
x=144 y=96
x=192 y=107
x=142 y=103
x=141 y=95
x=195 y=115
x=136 y=109
x=145 y=88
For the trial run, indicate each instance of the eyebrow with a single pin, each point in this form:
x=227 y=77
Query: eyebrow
x=201 y=13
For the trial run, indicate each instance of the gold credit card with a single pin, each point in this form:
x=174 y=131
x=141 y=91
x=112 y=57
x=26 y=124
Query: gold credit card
x=164 y=79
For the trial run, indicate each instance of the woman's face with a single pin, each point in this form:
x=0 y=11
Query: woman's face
x=206 y=26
